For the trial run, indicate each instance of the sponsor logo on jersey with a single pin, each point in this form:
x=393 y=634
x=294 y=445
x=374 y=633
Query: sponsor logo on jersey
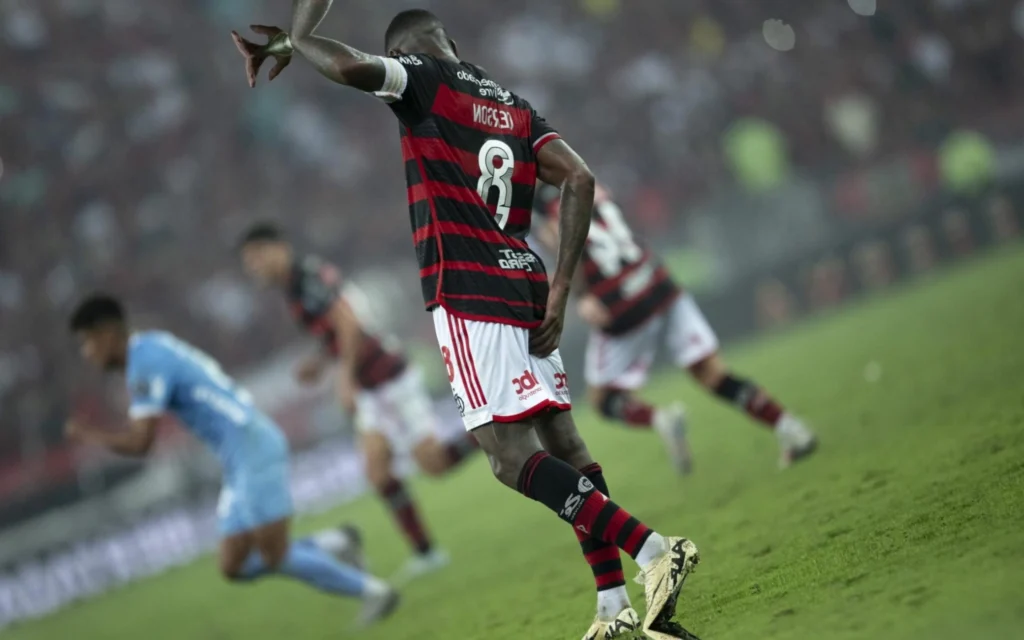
x=517 y=260
x=488 y=88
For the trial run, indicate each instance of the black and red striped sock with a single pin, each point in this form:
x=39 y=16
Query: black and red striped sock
x=748 y=397
x=403 y=508
x=623 y=406
x=461 y=448
x=602 y=557
x=576 y=500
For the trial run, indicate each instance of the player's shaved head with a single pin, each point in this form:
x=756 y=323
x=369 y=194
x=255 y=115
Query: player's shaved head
x=418 y=31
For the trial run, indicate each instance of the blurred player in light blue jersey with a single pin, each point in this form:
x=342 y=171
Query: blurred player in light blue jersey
x=168 y=376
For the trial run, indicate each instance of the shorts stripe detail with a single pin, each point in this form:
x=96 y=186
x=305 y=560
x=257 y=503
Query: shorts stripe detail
x=456 y=342
x=471 y=380
x=474 y=376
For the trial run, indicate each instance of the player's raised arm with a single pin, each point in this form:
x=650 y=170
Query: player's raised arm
x=334 y=60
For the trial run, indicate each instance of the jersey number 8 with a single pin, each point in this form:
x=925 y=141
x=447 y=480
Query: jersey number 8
x=496 y=164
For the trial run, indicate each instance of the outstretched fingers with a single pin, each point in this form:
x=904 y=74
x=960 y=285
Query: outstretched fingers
x=254 y=57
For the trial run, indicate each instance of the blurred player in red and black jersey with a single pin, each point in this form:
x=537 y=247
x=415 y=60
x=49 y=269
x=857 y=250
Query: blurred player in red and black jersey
x=630 y=301
x=473 y=152
x=375 y=382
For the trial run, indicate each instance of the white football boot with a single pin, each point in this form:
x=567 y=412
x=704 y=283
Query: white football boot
x=422 y=564
x=670 y=423
x=624 y=625
x=796 y=441
x=663 y=579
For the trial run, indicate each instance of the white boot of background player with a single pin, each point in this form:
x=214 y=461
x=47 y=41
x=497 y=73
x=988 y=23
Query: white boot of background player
x=421 y=565
x=670 y=423
x=796 y=441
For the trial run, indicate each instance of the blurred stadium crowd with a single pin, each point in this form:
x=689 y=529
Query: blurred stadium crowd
x=133 y=164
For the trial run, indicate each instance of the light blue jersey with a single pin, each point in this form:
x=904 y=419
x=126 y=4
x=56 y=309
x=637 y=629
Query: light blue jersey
x=168 y=375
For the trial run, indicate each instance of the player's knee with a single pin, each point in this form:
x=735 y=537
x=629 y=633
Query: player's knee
x=709 y=371
x=379 y=478
x=503 y=470
x=378 y=472
x=432 y=462
x=506 y=465
x=569 y=447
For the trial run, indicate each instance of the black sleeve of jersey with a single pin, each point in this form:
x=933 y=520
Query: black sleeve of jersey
x=424 y=78
x=541 y=132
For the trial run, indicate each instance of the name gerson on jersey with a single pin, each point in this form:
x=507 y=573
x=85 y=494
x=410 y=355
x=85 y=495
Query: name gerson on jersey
x=627 y=277
x=313 y=288
x=470 y=150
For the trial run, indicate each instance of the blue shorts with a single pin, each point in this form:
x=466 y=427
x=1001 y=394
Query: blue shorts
x=256 y=490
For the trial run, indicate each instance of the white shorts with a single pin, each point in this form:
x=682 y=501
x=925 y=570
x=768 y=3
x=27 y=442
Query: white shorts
x=493 y=376
x=400 y=409
x=624 y=361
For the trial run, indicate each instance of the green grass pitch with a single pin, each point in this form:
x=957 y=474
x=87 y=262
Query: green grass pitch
x=907 y=524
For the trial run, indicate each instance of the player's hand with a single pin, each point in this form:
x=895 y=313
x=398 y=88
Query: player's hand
x=347 y=390
x=593 y=311
x=310 y=370
x=545 y=338
x=278 y=47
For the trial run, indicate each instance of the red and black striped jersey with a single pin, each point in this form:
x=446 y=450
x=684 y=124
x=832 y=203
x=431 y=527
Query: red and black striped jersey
x=470 y=150
x=312 y=291
x=627 y=277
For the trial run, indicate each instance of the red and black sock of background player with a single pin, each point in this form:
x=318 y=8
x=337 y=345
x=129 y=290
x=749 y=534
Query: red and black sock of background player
x=750 y=398
x=743 y=394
